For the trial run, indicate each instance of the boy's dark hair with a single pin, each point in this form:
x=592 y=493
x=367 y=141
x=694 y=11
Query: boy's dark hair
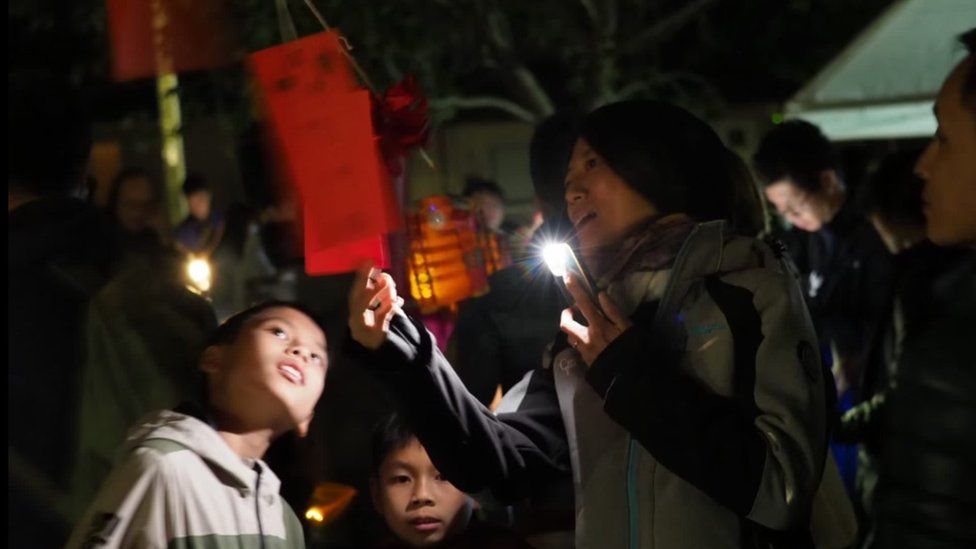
x=48 y=133
x=474 y=185
x=389 y=435
x=968 y=39
x=893 y=191
x=195 y=183
x=228 y=331
x=797 y=150
x=125 y=175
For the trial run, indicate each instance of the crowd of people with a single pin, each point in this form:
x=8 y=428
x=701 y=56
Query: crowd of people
x=693 y=386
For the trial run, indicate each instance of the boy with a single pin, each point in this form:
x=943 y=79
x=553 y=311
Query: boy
x=194 y=477
x=420 y=507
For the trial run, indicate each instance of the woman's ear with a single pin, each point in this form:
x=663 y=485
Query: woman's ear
x=211 y=359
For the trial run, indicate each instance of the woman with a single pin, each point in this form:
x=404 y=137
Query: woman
x=688 y=408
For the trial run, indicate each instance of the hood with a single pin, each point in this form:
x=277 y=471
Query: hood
x=202 y=439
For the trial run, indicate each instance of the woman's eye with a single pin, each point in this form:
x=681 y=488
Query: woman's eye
x=279 y=333
x=590 y=163
x=400 y=479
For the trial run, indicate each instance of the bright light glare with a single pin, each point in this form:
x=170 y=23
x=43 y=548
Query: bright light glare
x=557 y=257
x=314 y=514
x=198 y=270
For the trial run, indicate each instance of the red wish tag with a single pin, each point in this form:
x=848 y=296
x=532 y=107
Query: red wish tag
x=186 y=32
x=323 y=128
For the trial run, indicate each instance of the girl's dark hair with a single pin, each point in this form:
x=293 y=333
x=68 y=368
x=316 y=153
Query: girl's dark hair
x=676 y=161
x=389 y=435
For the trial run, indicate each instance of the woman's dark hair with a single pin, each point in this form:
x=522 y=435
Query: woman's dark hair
x=893 y=191
x=675 y=160
x=549 y=152
x=797 y=150
x=389 y=435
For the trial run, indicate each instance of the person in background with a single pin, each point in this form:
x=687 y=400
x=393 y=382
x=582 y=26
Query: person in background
x=500 y=336
x=56 y=261
x=891 y=198
x=134 y=212
x=845 y=269
x=202 y=230
x=925 y=496
x=487 y=201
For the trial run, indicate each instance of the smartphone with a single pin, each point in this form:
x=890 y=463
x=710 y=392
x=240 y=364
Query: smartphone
x=561 y=260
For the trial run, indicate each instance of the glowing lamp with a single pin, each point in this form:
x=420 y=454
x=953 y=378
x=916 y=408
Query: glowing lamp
x=198 y=274
x=449 y=258
x=329 y=500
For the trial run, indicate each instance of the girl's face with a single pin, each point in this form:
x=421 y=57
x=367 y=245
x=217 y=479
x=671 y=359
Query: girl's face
x=602 y=207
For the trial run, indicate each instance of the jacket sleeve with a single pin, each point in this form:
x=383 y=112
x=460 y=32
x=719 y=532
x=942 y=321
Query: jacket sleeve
x=132 y=509
x=511 y=454
x=759 y=452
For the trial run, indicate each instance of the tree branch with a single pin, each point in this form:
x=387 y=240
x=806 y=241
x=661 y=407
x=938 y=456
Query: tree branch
x=485 y=102
x=667 y=26
x=522 y=82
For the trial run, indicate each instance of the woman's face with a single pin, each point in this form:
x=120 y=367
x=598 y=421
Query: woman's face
x=601 y=206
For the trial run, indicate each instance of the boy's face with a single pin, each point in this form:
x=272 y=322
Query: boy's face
x=199 y=204
x=948 y=166
x=419 y=506
x=273 y=373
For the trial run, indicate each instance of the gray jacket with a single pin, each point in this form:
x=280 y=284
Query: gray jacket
x=704 y=425
x=180 y=485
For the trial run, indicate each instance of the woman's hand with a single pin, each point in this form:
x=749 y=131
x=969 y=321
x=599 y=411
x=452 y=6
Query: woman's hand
x=602 y=328
x=372 y=303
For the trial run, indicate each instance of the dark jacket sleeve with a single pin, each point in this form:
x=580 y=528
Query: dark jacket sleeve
x=759 y=452
x=926 y=493
x=510 y=454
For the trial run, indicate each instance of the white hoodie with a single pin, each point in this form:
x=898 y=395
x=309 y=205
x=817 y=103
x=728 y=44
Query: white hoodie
x=180 y=485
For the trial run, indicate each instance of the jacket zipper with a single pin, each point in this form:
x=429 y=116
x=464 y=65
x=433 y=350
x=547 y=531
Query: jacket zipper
x=632 y=446
x=257 y=504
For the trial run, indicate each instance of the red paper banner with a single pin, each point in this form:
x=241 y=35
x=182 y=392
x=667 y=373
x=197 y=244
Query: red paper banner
x=323 y=129
x=189 y=33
